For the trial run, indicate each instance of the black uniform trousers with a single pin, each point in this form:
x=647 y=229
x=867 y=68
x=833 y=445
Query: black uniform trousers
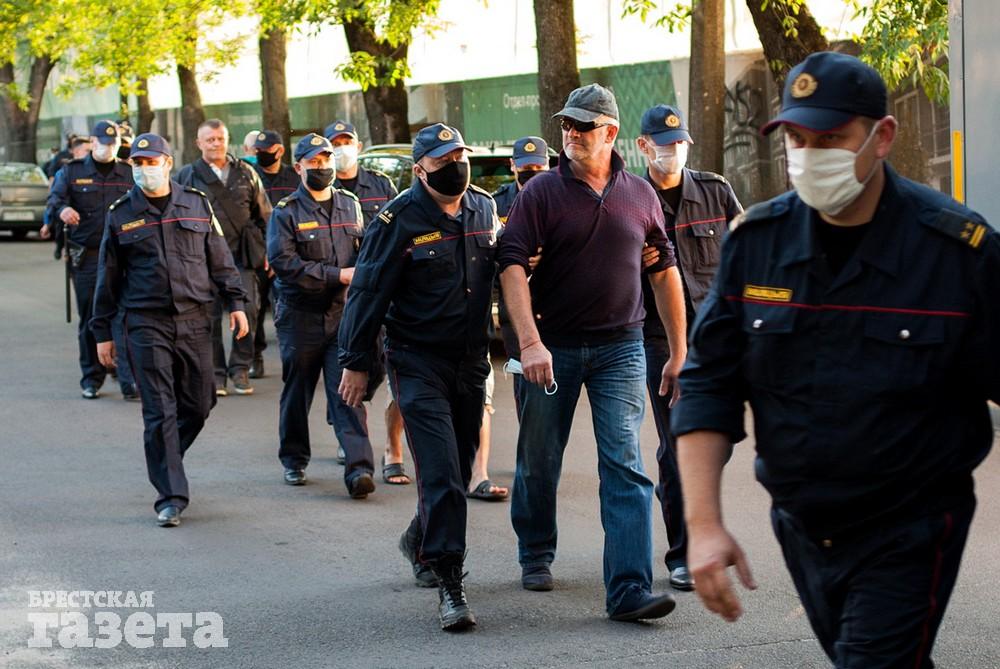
x=876 y=600
x=264 y=283
x=242 y=350
x=441 y=402
x=668 y=486
x=172 y=363
x=92 y=372
x=307 y=341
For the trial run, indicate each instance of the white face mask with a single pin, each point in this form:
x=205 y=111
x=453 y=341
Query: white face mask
x=150 y=178
x=104 y=153
x=345 y=156
x=670 y=159
x=825 y=178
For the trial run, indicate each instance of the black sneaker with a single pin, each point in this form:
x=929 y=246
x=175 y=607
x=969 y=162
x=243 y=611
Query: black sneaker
x=241 y=384
x=130 y=393
x=90 y=393
x=257 y=368
x=169 y=516
x=361 y=486
x=453 y=609
x=422 y=574
x=295 y=477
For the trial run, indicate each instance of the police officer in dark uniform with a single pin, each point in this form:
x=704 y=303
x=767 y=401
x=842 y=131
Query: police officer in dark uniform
x=426 y=270
x=279 y=180
x=374 y=190
x=312 y=244
x=238 y=199
x=163 y=259
x=529 y=157
x=697 y=207
x=858 y=315
x=79 y=199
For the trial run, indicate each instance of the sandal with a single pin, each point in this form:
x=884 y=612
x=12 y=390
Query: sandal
x=489 y=492
x=393 y=472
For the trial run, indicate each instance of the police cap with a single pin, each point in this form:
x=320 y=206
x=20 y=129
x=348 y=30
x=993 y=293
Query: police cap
x=531 y=151
x=266 y=139
x=149 y=145
x=827 y=90
x=340 y=128
x=437 y=140
x=311 y=145
x=106 y=132
x=665 y=125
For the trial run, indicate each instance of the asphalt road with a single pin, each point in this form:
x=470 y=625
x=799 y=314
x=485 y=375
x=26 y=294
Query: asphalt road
x=307 y=577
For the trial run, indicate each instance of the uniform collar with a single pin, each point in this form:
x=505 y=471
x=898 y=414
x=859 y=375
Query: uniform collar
x=880 y=248
x=688 y=191
x=430 y=206
x=306 y=199
x=140 y=203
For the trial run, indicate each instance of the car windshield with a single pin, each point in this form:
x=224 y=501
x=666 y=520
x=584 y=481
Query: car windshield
x=22 y=173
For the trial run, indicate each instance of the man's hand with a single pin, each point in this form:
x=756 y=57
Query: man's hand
x=44 y=232
x=711 y=550
x=668 y=378
x=535 y=259
x=239 y=319
x=353 y=386
x=106 y=353
x=650 y=256
x=346 y=275
x=536 y=362
x=69 y=216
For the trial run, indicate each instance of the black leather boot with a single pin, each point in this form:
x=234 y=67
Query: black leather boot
x=454 y=608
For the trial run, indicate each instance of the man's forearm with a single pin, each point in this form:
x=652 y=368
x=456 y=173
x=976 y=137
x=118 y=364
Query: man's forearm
x=517 y=297
x=669 y=293
x=701 y=455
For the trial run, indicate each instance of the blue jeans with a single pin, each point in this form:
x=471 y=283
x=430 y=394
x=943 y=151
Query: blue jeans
x=615 y=378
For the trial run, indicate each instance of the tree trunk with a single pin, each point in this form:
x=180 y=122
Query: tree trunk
x=555 y=39
x=707 y=89
x=123 y=105
x=146 y=113
x=20 y=125
x=387 y=107
x=192 y=113
x=274 y=91
x=783 y=53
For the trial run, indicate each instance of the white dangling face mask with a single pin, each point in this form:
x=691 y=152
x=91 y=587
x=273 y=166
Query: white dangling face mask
x=345 y=156
x=825 y=179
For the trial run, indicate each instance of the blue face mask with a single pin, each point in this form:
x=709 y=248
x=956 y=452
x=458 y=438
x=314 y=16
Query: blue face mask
x=150 y=178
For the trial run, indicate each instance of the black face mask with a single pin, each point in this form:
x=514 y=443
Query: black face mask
x=266 y=158
x=123 y=152
x=522 y=177
x=319 y=179
x=451 y=180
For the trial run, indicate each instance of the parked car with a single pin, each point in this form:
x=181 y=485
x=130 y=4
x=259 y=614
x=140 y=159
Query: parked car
x=490 y=166
x=23 y=191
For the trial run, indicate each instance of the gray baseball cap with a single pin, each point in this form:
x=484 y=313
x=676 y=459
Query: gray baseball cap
x=590 y=103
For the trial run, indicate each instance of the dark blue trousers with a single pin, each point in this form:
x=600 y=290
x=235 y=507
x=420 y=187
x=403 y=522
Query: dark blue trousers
x=92 y=372
x=172 y=362
x=441 y=402
x=308 y=344
x=668 y=486
x=875 y=600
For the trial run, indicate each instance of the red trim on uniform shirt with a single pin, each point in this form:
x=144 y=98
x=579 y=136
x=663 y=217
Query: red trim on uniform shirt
x=166 y=220
x=372 y=199
x=851 y=307
x=444 y=239
x=706 y=221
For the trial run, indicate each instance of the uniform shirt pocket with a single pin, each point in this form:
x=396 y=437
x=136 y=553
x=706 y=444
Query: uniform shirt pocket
x=708 y=237
x=314 y=244
x=900 y=350
x=190 y=237
x=434 y=261
x=770 y=359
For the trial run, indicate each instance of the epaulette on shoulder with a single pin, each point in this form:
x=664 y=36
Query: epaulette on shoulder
x=759 y=212
x=397 y=204
x=283 y=202
x=118 y=202
x=708 y=176
x=344 y=191
x=481 y=191
x=377 y=173
x=968 y=229
x=192 y=189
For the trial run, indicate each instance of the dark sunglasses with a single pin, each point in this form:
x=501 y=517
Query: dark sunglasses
x=568 y=124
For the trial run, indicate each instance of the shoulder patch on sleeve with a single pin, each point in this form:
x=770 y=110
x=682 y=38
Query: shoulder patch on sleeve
x=118 y=202
x=969 y=229
x=344 y=191
x=481 y=191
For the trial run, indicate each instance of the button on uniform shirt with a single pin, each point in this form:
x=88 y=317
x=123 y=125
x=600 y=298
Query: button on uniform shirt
x=427 y=275
x=172 y=261
x=307 y=247
x=586 y=290
x=279 y=185
x=82 y=186
x=374 y=191
x=869 y=387
x=696 y=229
